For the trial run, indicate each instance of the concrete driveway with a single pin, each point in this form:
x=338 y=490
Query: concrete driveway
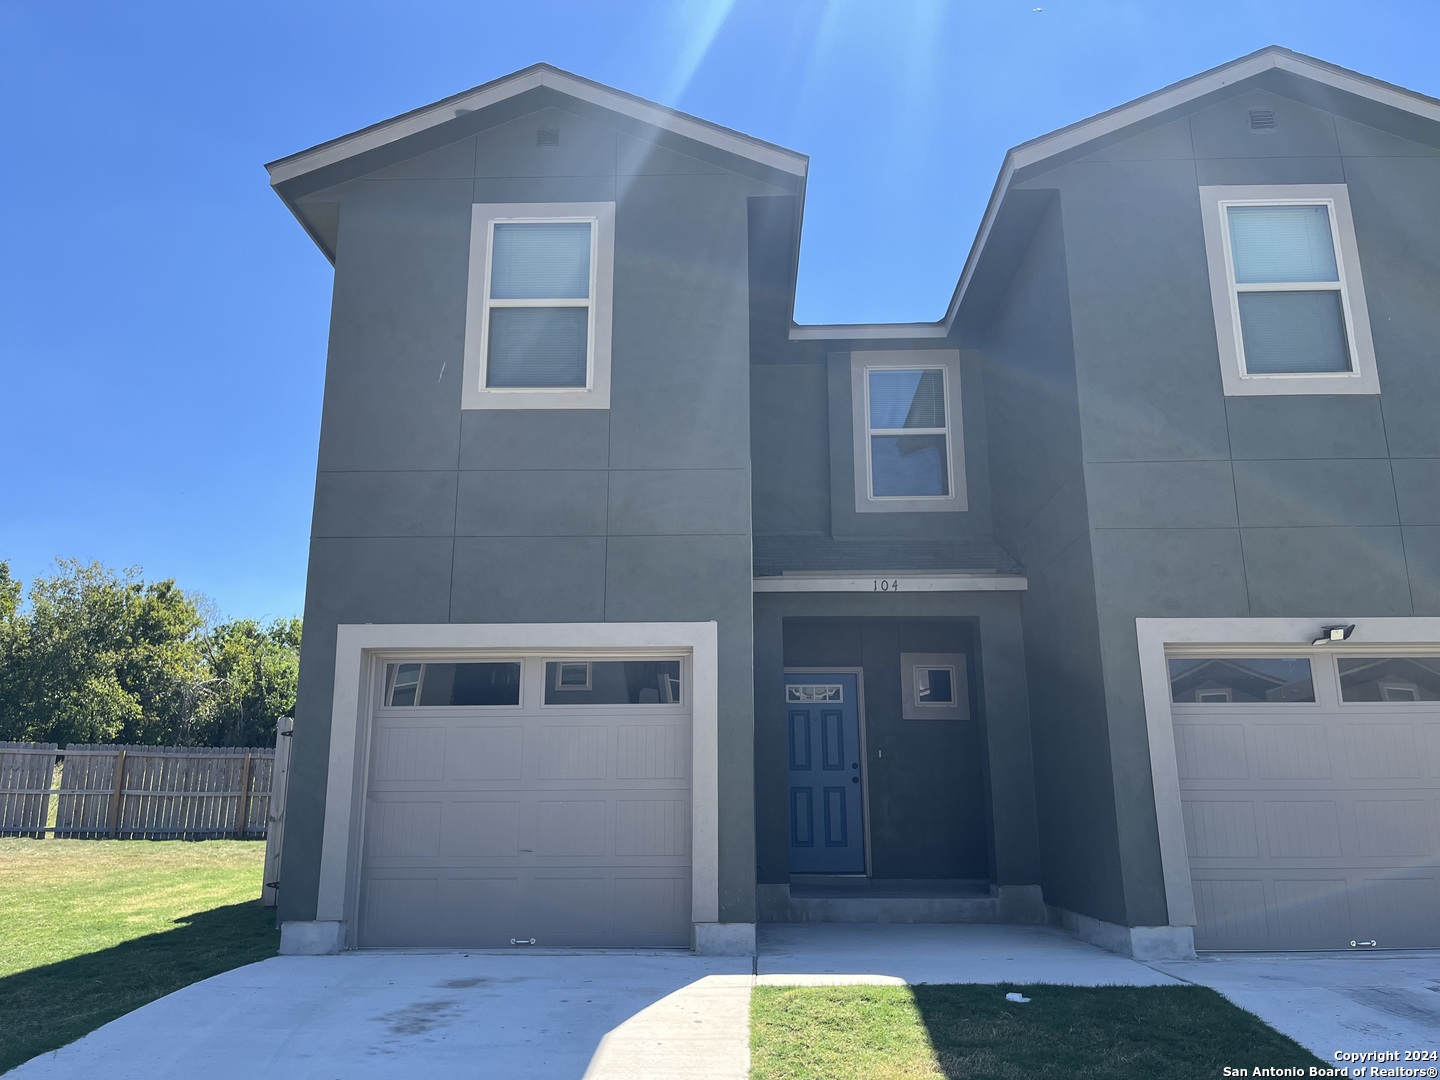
x=645 y=1016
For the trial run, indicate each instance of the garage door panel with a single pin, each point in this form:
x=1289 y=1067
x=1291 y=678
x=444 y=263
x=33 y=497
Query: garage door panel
x=409 y=753
x=1396 y=828
x=407 y=827
x=654 y=907
x=658 y=827
x=572 y=826
x=398 y=911
x=1232 y=910
x=478 y=911
x=569 y=825
x=572 y=752
x=652 y=752
x=567 y=908
x=1211 y=751
x=1221 y=829
x=486 y=753
x=1326 y=832
x=1381 y=751
x=481 y=828
x=1398 y=902
x=1292 y=752
x=1309 y=911
x=1302 y=829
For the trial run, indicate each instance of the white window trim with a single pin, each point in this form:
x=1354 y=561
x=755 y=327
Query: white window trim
x=948 y=362
x=912 y=708
x=596 y=392
x=1224 y=292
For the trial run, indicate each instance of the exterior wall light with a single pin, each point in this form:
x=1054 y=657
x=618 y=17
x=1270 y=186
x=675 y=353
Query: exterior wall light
x=1329 y=635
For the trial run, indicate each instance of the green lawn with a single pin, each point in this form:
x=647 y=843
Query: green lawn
x=1086 y=1033
x=91 y=929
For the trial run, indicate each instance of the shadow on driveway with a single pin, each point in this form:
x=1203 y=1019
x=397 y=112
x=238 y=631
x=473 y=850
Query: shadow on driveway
x=47 y=1007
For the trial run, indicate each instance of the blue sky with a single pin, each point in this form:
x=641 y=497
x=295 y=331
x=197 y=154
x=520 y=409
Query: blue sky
x=163 y=318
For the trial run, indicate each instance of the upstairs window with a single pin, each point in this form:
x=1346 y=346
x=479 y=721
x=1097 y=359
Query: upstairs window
x=906 y=431
x=909 y=437
x=1290 y=313
x=538 y=326
x=539 y=307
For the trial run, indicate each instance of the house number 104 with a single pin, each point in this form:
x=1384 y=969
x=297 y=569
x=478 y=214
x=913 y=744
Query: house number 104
x=883 y=585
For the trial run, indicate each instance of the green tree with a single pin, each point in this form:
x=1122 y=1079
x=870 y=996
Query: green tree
x=100 y=656
x=255 y=671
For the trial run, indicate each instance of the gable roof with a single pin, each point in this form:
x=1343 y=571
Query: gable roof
x=429 y=117
x=1040 y=153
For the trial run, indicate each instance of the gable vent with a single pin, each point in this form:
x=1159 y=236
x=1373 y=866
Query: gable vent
x=1262 y=119
x=547 y=137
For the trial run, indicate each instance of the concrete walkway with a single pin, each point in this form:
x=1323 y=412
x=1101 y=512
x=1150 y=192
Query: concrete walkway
x=670 y=1016
x=1332 y=1002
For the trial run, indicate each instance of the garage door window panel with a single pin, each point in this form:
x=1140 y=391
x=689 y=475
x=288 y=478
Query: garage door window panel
x=492 y=683
x=613 y=682
x=1389 y=679
x=1223 y=680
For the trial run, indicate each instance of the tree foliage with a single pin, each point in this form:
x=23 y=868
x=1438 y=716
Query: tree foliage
x=96 y=656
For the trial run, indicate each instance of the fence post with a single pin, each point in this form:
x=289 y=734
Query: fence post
x=45 y=799
x=115 y=799
x=242 y=808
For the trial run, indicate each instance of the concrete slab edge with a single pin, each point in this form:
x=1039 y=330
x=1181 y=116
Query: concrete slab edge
x=311 y=938
x=1136 y=942
x=724 y=939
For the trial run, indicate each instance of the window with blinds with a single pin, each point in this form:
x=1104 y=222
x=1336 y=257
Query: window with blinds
x=539 y=314
x=1288 y=289
x=909 y=432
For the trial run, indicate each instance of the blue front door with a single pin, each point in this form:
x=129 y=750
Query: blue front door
x=822 y=742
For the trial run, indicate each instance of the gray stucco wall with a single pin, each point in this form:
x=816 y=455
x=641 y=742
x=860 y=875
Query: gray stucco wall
x=965 y=779
x=427 y=514
x=1201 y=505
x=1041 y=516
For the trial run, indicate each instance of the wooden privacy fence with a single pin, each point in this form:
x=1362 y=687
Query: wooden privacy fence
x=135 y=792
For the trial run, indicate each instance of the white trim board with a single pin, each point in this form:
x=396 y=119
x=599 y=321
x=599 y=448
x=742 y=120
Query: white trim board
x=1295 y=634
x=891 y=581
x=538 y=75
x=357 y=648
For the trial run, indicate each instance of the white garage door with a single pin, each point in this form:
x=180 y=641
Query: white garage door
x=1310 y=786
x=528 y=798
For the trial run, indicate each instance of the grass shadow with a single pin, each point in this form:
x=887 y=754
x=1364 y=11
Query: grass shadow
x=47 y=1007
x=1097 y=1033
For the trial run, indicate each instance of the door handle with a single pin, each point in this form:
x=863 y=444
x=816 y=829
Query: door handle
x=854 y=764
x=854 y=779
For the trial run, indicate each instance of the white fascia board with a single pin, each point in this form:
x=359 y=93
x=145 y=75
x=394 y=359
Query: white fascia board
x=891 y=582
x=402 y=127
x=869 y=332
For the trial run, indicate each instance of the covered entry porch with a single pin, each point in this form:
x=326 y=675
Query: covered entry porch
x=893 y=769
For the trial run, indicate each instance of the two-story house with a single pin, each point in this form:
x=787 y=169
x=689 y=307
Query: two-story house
x=638 y=614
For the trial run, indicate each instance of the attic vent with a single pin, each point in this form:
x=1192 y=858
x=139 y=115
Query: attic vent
x=1262 y=119
x=547 y=137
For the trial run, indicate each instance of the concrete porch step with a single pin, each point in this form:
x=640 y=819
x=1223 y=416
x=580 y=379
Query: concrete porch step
x=816 y=904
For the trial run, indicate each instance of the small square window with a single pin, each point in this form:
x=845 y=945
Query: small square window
x=1290 y=311
x=934 y=686
x=572 y=675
